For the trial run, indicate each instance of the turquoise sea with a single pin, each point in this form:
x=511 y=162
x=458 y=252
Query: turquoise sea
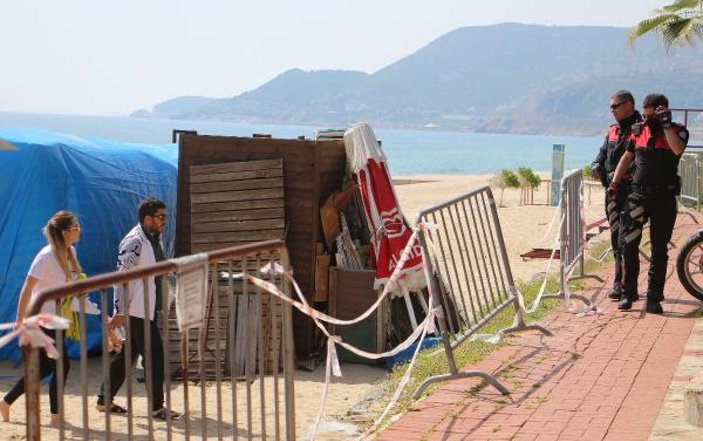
x=409 y=152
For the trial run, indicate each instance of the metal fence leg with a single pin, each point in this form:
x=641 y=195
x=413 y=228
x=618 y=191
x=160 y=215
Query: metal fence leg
x=451 y=363
x=519 y=324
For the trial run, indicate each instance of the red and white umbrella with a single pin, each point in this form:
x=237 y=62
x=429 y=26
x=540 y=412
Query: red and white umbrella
x=390 y=233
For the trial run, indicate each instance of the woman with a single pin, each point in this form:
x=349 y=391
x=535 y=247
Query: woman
x=56 y=264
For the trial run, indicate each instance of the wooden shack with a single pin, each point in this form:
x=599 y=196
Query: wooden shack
x=312 y=170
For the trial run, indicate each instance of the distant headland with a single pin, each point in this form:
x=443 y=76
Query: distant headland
x=506 y=78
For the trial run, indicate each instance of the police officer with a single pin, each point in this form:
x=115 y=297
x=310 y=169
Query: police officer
x=622 y=106
x=655 y=146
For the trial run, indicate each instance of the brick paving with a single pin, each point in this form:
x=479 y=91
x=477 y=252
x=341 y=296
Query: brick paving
x=600 y=377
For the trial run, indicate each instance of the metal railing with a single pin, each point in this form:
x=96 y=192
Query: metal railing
x=690 y=172
x=470 y=273
x=693 y=120
x=572 y=236
x=254 y=349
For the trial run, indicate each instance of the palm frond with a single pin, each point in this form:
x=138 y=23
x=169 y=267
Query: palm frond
x=648 y=25
x=677 y=24
x=681 y=6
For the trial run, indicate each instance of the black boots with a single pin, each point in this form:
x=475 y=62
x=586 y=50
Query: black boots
x=616 y=293
x=654 y=306
x=626 y=301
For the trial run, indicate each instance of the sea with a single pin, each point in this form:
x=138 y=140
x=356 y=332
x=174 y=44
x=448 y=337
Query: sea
x=409 y=152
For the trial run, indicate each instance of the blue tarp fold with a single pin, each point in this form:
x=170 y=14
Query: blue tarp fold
x=100 y=181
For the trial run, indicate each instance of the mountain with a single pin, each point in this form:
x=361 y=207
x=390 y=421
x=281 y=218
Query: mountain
x=512 y=78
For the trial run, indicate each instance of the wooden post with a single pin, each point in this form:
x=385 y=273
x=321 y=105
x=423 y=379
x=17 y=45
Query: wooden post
x=31 y=388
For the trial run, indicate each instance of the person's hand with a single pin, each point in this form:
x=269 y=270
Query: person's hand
x=612 y=191
x=116 y=321
x=664 y=116
x=596 y=171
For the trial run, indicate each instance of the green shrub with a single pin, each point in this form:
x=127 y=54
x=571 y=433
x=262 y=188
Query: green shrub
x=510 y=178
x=528 y=177
x=502 y=180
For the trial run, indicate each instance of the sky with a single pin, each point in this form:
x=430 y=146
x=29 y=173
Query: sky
x=90 y=57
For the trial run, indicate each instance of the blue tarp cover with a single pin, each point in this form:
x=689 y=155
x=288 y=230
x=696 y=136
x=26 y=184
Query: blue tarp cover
x=100 y=181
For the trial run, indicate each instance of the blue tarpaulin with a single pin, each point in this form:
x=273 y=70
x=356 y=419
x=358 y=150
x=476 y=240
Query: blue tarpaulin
x=101 y=181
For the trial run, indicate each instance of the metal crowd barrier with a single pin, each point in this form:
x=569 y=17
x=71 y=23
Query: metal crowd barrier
x=257 y=400
x=572 y=236
x=693 y=120
x=471 y=274
x=690 y=172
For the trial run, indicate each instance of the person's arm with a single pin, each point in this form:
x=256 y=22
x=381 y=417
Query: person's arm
x=128 y=256
x=25 y=294
x=623 y=166
x=677 y=144
x=598 y=164
x=676 y=136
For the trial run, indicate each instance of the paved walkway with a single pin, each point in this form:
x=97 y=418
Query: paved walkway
x=600 y=377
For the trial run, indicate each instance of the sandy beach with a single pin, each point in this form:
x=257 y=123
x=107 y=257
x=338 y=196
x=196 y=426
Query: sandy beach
x=523 y=226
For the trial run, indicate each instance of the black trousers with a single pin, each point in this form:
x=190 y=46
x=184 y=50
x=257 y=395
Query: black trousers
x=660 y=210
x=118 y=362
x=46 y=366
x=614 y=211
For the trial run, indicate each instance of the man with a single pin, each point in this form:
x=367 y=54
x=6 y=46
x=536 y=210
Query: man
x=655 y=146
x=141 y=247
x=622 y=106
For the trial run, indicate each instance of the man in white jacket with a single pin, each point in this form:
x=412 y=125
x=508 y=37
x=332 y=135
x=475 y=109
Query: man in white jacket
x=141 y=247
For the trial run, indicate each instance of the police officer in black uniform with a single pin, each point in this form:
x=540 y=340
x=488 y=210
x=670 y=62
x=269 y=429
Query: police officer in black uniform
x=622 y=106
x=655 y=146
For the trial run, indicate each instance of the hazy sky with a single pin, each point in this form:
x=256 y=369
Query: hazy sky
x=111 y=58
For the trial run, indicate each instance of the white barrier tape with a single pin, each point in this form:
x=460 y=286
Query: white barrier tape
x=307 y=309
x=403 y=382
x=427 y=325
x=602 y=257
x=551 y=224
x=318 y=316
x=331 y=365
x=488 y=338
x=332 y=359
x=30 y=334
x=540 y=294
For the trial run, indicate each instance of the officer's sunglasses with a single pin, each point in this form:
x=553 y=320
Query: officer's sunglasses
x=616 y=105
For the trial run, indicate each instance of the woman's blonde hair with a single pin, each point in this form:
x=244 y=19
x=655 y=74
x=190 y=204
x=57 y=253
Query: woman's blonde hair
x=53 y=231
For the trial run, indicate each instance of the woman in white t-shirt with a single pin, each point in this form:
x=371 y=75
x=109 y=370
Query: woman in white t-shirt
x=56 y=264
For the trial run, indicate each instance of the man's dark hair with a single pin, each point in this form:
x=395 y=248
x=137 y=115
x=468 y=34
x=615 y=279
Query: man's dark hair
x=655 y=100
x=148 y=207
x=624 y=95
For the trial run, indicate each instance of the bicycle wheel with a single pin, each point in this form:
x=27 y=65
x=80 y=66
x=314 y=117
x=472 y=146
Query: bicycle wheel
x=689 y=266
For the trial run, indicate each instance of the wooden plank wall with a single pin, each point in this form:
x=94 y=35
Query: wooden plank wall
x=245 y=332
x=312 y=170
x=235 y=203
x=232 y=203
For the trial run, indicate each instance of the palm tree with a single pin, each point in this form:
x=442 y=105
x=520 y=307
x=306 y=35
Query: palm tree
x=678 y=24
